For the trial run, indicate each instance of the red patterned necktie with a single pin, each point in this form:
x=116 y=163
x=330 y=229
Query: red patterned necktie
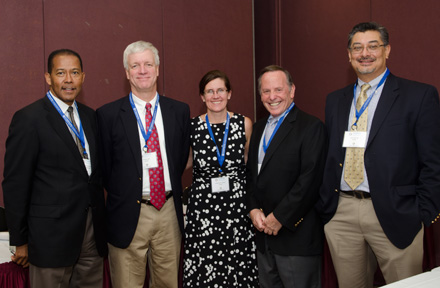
x=157 y=182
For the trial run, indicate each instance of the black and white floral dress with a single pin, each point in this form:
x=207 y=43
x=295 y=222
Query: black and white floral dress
x=219 y=247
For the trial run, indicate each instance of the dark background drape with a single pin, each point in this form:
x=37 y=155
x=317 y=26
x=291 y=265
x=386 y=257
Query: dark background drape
x=308 y=37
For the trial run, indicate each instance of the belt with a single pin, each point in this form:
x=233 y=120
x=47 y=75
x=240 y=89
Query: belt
x=358 y=194
x=167 y=196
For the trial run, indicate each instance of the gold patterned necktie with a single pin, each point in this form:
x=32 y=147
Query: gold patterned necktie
x=354 y=157
x=77 y=141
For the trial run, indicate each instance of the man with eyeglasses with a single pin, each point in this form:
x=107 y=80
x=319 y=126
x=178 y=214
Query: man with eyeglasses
x=382 y=177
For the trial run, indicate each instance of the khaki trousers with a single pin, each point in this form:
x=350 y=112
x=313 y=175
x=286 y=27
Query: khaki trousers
x=355 y=236
x=157 y=240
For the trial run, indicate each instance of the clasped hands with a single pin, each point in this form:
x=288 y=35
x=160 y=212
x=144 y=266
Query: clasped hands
x=269 y=225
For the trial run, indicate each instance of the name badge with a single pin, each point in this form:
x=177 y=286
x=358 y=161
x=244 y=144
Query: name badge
x=149 y=159
x=88 y=165
x=220 y=184
x=355 y=139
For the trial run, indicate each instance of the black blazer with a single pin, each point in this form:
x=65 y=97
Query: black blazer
x=122 y=163
x=288 y=182
x=46 y=186
x=402 y=157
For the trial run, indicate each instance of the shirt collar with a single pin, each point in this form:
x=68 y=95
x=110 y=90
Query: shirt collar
x=276 y=118
x=63 y=106
x=373 y=83
x=141 y=103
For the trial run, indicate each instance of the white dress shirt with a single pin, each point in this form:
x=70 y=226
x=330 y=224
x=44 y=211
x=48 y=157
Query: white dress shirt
x=63 y=106
x=140 y=106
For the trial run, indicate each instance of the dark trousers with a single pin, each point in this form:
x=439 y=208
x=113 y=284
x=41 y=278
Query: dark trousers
x=278 y=271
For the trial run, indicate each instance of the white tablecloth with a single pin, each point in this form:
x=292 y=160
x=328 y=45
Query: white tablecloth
x=425 y=280
x=5 y=254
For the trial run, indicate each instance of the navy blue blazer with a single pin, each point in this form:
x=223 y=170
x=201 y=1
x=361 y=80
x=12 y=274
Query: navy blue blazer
x=288 y=183
x=122 y=162
x=402 y=157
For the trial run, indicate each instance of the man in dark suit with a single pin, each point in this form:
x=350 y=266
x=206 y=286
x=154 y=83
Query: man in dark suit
x=284 y=173
x=143 y=180
x=52 y=184
x=382 y=177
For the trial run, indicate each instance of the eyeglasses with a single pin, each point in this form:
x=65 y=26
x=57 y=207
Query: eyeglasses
x=372 y=48
x=220 y=92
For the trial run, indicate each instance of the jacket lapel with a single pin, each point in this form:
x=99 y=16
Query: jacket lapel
x=168 y=120
x=60 y=127
x=389 y=94
x=257 y=133
x=343 y=112
x=283 y=131
x=131 y=129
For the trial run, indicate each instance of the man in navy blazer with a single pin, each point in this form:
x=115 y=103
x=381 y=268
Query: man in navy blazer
x=137 y=230
x=52 y=183
x=284 y=172
x=399 y=191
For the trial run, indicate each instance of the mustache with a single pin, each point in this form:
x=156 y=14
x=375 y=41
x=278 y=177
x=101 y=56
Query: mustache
x=366 y=58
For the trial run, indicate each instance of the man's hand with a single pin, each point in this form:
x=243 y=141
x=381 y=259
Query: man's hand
x=257 y=217
x=272 y=225
x=21 y=255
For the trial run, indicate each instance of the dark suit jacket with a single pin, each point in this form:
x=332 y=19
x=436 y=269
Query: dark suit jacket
x=402 y=157
x=122 y=163
x=288 y=183
x=46 y=186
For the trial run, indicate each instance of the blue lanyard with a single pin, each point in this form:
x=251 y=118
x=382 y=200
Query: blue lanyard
x=80 y=133
x=359 y=113
x=141 y=126
x=220 y=157
x=265 y=146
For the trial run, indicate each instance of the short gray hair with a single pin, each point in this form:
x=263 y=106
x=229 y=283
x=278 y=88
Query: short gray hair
x=140 y=46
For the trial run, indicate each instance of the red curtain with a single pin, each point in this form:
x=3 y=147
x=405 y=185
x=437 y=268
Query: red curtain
x=13 y=276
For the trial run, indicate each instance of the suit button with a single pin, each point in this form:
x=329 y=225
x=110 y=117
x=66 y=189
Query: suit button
x=139 y=202
x=336 y=190
x=340 y=164
x=140 y=179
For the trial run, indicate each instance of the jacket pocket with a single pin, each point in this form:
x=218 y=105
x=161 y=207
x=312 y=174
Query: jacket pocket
x=406 y=190
x=45 y=211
